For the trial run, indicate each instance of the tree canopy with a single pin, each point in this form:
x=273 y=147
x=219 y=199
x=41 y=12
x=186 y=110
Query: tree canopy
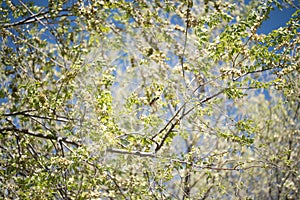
x=137 y=99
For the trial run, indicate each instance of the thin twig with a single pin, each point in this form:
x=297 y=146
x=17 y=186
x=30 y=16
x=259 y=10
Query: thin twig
x=137 y=153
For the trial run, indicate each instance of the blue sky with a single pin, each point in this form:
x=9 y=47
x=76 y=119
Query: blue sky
x=277 y=18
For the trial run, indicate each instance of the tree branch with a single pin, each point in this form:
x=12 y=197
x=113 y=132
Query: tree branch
x=26 y=114
x=136 y=153
x=39 y=135
x=192 y=164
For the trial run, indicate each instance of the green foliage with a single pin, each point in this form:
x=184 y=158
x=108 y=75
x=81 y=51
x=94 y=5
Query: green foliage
x=148 y=100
